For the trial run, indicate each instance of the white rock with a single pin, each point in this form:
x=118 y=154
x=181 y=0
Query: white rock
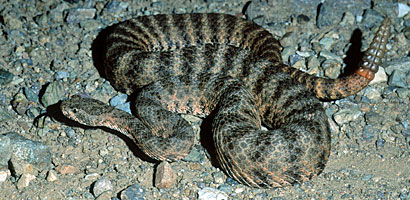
x=208 y=193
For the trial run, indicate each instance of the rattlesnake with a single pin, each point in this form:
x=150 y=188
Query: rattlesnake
x=200 y=64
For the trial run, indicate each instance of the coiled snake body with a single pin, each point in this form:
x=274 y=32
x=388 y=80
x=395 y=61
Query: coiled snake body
x=202 y=63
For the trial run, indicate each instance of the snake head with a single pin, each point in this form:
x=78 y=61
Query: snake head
x=85 y=111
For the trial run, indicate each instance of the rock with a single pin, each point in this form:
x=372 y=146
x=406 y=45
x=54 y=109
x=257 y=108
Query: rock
x=219 y=177
x=105 y=195
x=20 y=103
x=52 y=176
x=101 y=186
x=372 y=93
x=372 y=118
x=330 y=56
x=346 y=115
x=61 y=75
x=403 y=9
x=193 y=156
x=25 y=180
x=67 y=169
x=53 y=93
x=5 y=150
x=379 y=77
x=5 y=77
x=77 y=15
x=400 y=64
x=326 y=42
x=403 y=92
x=208 y=193
x=4 y=173
x=328 y=15
x=399 y=79
x=133 y=192
x=13 y=22
x=116 y=8
x=368 y=132
x=119 y=102
x=31 y=93
x=332 y=68
x=165 y=177
x=27 y=155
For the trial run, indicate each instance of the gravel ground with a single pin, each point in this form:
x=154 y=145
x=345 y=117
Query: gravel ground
x=45 y=56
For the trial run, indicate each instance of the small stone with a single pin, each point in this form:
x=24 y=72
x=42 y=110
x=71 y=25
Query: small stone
x=368 y=132
x=12 y=22
x=101 y=186
x=380 y=143
x=31 y=93
x=403 y=9
x=330 y=56
x=133 y=192
x=28 y=156
x=301 y=19
x=5 y=150
x=165 y=177
x=25 y=180
x=399 y=78
x=61 y=75
x=208 y=193
x=67 y=169
x=367 y=177
x=53 y=93
x=193 y=156
x=5 y=77
x=77 y=15
x=313 y=65
x=379 y=77
x=348 y=19
x=91 y=177
x=4 y=173
x=105 y=195
x=219 y=177
x=346 y=115
x=20 y=103
x=372 y=93
x=51 y=176
x=403 y=92
x=326 y=42
x=372 y=118
x=332 y=68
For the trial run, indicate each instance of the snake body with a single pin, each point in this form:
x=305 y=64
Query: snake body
x=200 y=64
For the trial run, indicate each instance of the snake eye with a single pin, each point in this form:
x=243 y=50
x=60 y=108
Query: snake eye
x=75 y=110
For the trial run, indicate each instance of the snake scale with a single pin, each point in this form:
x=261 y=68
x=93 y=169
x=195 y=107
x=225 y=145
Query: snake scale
x=200 y=64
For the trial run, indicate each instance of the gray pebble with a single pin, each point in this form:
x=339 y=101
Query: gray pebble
x=347 y=115
x=101 y=186
x=53 y=93
x=208 y=193
x=326 y=42
x=77 y=15
x=133 y=192
x=61 y=75
x=118 y=100
x=403 y=9
x=366 y=177
x=31 y=93
x=5 y=77
x=372 y=18
x=328 y=15
x=24 y=150
x=368 y=132
x=193 y=156
x=399 y=78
